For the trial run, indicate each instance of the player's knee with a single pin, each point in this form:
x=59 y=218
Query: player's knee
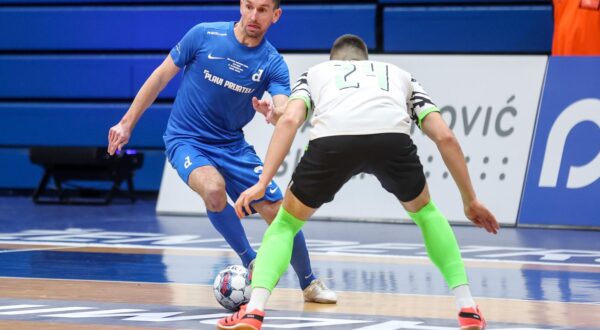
x=215 y=200
x=268 y=210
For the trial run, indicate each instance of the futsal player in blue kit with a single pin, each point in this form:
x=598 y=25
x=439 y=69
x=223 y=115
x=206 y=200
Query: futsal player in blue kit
x=227 y=68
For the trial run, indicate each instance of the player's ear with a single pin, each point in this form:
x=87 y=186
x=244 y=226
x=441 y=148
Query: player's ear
x=277 y=15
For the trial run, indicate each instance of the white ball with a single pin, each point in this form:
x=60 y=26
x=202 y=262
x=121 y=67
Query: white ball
x=232 y=287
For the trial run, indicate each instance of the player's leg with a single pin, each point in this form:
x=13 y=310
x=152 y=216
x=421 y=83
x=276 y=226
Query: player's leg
x=440 y=241
x=271 y=262
x=325 y=167
x=401 y=173
x=314 y=290
x=300 y=259
x=210 y=185
x=242 y=168
x=444 y=252
x=318 y=177
x=196 y=168
x=276 y=250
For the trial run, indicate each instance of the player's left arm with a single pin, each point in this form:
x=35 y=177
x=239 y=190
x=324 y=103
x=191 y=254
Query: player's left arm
x=279 y=88
x=437 y=130
x=426 y=114
x=281 y=142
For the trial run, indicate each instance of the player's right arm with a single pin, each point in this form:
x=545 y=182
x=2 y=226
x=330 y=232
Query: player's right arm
x=181 y=55
x=119 y=134
x=281 y=142
x=296 y=111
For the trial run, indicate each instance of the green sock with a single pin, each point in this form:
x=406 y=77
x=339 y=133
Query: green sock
x=275 y=251
x=441 y=244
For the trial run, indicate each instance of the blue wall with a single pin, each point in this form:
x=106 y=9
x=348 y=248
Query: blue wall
x=78 y=76
x=76 y=124
x=569 y=192
x=70 y=69
x=474 y=29
x=160 y=28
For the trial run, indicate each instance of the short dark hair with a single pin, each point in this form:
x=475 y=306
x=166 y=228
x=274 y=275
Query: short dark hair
x=349 y=47
x=277 y=3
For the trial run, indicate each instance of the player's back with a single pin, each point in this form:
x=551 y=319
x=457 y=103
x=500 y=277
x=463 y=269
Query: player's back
x=359 y=97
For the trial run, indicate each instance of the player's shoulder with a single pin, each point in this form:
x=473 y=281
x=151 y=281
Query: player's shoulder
x=272 y=54
x=393 y=68
x=213 y=28
x=270 y=50
x=323 y=66
x=215 y=25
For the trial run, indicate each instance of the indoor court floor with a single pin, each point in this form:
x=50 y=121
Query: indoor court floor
x=122 y=267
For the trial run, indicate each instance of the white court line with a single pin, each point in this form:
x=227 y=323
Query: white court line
x=210 y=287
x=38 y=249
x=68 y=245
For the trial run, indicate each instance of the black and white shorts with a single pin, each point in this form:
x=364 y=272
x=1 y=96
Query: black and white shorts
x=331 y=161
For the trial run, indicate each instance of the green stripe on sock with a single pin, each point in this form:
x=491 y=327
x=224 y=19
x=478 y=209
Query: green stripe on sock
x=275 y=251
x=441 y=244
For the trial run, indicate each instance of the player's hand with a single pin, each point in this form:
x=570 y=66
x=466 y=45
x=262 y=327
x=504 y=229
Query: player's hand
x=248 y=196
x=264 y=107
x=481 y=216
x=118 y=136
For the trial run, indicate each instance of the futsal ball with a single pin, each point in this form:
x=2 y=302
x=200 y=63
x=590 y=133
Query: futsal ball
x=232 y=287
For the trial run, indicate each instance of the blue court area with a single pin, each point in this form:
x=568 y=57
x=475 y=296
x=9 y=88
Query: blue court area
x=63 y=254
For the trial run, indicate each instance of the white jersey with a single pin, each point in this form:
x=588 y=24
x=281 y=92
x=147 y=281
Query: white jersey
x=361 y=97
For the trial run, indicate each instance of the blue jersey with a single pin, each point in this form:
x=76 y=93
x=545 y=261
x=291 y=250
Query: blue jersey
x=221 y=75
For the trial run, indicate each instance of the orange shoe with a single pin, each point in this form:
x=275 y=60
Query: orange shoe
x=471 y=319
x=241 y=320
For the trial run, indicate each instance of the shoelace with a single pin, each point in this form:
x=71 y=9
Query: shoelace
x=233 y=316
x=321 y=285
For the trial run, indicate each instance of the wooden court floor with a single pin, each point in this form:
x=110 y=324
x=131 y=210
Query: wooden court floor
x=122 y=267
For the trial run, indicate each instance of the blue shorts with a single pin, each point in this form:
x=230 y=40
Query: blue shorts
x=238 y=164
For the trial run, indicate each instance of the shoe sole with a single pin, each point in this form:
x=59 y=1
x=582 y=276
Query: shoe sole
x=321 y=301
x=240 y=326
x=472 y=328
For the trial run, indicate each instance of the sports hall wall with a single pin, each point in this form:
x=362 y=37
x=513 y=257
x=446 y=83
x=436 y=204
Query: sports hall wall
x=70 y=68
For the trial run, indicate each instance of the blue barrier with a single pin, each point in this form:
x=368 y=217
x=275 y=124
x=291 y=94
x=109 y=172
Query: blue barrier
x=160 y=27
x=102 y=28
x=317 y=27
x=57 y=124
x=562 y=186
x=78 y=76
x=63 y=124
x=506 y=29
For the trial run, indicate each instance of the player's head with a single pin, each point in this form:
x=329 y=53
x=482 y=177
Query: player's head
x=258 y=15
x=349 y=48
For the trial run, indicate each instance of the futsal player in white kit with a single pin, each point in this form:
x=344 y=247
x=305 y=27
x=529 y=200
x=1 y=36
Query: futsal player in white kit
x=362 y=115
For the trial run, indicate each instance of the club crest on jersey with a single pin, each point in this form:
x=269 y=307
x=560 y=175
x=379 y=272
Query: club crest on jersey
x=256 y=77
